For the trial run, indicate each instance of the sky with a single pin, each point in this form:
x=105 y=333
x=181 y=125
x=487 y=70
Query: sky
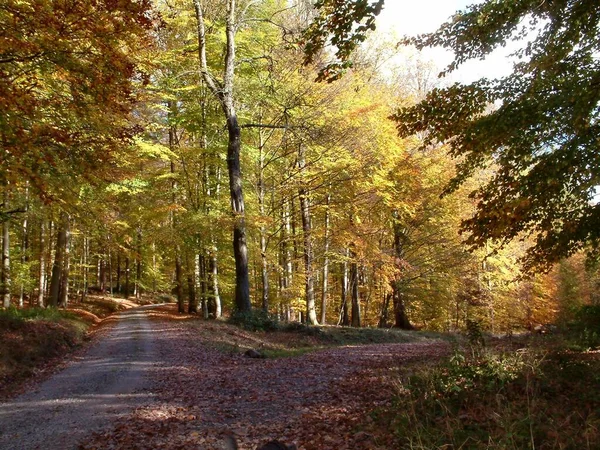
x=411 y=17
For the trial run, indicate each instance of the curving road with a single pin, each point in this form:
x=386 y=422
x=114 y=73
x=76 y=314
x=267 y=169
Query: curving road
x=106 y=383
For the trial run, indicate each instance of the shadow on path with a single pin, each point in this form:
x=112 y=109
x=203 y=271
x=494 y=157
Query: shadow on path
x=98 y=387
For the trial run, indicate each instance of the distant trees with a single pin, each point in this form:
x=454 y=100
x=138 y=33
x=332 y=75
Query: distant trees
x=341 y=221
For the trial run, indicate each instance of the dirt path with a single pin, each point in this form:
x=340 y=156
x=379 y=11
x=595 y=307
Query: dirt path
x=317 y=400
x=105 y=383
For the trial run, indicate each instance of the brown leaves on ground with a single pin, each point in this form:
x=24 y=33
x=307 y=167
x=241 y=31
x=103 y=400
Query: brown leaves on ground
x=319 y=400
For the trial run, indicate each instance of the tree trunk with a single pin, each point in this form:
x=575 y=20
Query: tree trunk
x=224 y=93
x=286 y=258
x=5 y=278
x=344 y=317
x=24 y=243
x=42 y=271
x=179 y=283
x=85 y=256
x=325 y=262
x=64 y=279
x=309 y=284
x=58 y=265
x=126 y=293
x=138 y=265
x=215 y=284
x=263 y=231
x=354 y=291
x=400 y=316
x=119 y=272
x=383 y=317
x=240 y=249
x=192 y=302
x=110 y=267
x=206 y=302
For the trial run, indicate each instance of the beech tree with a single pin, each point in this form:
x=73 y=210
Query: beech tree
x=66 y=87
x=542 y=137
x=224 y=91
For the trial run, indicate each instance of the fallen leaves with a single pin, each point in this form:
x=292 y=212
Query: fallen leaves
x=319 y=400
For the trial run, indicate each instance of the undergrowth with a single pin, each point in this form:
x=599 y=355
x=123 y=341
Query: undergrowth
x=13 y=314
x=255 y=320
x=31 y=337
x=485 y=399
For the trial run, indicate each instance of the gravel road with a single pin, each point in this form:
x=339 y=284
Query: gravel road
x=102 y=385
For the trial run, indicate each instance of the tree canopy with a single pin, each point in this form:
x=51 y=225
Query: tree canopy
x=537 y=127
x=67 y=75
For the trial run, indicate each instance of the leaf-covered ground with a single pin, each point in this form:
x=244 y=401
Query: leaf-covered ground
x=317 y=400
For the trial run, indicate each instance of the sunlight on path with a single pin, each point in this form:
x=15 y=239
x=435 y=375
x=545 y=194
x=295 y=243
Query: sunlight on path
x=102 y=385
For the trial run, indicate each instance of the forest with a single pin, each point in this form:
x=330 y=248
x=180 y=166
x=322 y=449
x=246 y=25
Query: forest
x=273 y=163
x=124 y=163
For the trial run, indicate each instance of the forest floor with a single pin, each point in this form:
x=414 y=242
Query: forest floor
x=156 y=379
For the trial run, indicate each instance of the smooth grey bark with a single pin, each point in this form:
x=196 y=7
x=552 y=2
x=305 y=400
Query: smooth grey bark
x=85 y=258
x=192 y=301
x=263 y=230
x=5 y=281
x=126 y=293
x=42 y=270
x=118 y=272
x=223 y=91
x=138 y=264
x=355 y=316
x=110 y=267
x=325 y=262
x=285 y=258
x=24 y=242
x=214 y=273
x=344 y=316
x=63 y=300
x=206 y=304
x=179 y=282
x=309 y=283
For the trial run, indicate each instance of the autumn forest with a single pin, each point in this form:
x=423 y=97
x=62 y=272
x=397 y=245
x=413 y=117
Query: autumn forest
x=274 y=162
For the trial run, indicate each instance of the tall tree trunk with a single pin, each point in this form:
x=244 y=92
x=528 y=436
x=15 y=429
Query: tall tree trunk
x=400 y=316
x=126 y=291
x=383 y=316
x=263 y=230
x=138 y=264
x=24 y=243
x=224 y=93
x=64 y=279
x=5 y=278
x=309 y=285
x=344 y=316
x=286 y=257
x=119 y=271
x=192 y=302
x=110 y=269
x=214 y=271
x=325 y=262
x=206 y=302
x=354 y=291
x=42 y=270
x=59 y=258
x=179 y=283
x=86 y=257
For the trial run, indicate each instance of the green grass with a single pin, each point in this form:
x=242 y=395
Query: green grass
x=48 y=314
